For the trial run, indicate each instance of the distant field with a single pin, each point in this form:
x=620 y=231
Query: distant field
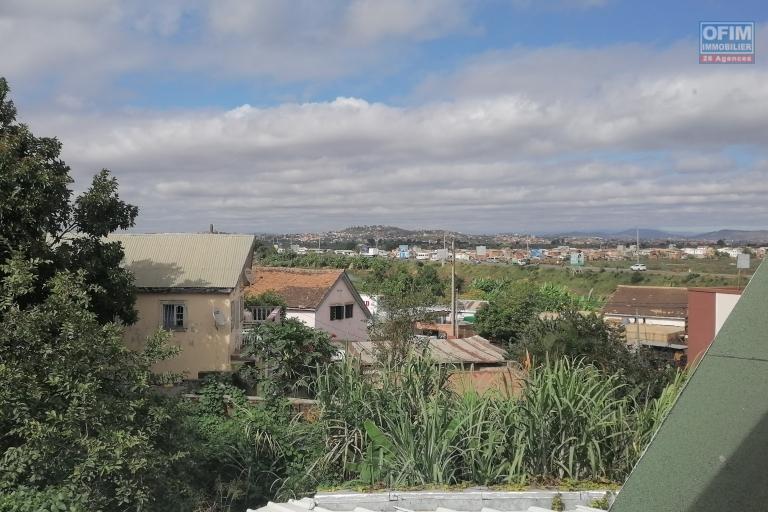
x=701 y=266
x=599 y=283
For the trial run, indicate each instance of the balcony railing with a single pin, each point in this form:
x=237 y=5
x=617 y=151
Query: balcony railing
x=255 y=315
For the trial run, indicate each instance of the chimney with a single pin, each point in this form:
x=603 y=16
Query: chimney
x=210 y=228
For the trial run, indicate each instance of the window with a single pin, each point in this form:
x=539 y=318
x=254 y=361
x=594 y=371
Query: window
x=174 y=316
x=337 y=312
x=342 y=312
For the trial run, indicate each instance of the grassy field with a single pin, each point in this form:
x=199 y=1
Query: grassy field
x=724 y=265
x=600 y=283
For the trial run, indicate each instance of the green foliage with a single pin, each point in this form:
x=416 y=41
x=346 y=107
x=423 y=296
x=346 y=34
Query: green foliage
x=508 y=313
x=39 y=220
x=246 y=454
x=603 y=503
x=404 y=298
x=588 y=336
x=317 y=260
x=288 y=354
x=26 y=499
x=268 y=298
x=514 y=305
x=401 y=426
x=77 y=410
x=557 y=503
x=512 y=318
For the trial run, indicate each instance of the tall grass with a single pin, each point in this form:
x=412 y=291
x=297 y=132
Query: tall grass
x=402 y=426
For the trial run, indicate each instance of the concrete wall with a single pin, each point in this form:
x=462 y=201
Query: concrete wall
x=465 y=501
x=308 y=317
x=205 y=347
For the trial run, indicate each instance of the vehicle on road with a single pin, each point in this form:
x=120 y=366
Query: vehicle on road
x=639 y=267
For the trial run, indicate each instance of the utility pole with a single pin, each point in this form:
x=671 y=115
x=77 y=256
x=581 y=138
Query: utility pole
x=445 y=251
x=454 y=326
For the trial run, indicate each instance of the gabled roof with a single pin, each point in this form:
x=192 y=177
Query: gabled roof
x=648 y=301
x=710 y=452
x=300 y=288
x=185 y=260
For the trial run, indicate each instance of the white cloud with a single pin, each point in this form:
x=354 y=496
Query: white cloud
x=370 y=20
x=504 y=162
x=553 y=138
x=89 y=45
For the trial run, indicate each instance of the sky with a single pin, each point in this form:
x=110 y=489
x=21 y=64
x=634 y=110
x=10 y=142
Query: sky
x=477 y=116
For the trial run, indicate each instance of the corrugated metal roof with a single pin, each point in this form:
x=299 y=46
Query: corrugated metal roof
x=438 y=501
x=185 y=260
x=475 y=349
x=648 y=301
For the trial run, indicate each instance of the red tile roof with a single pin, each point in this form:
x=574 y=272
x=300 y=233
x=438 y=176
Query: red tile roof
x=301 y=288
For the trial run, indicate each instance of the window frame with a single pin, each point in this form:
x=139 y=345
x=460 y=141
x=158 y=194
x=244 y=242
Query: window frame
x=334 y=312
x=176 y=305
x=339 y=311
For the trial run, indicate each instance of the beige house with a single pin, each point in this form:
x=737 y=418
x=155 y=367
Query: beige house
x=192 y=286
x=324 y=299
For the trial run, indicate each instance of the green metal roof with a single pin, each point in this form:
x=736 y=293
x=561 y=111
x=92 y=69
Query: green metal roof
x=711 y=452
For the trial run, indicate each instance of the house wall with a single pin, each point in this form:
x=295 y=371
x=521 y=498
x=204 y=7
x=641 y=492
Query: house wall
x=707 y=312
x=204 y=346
x=351 y=329
x=308 y=317
x=724 y=303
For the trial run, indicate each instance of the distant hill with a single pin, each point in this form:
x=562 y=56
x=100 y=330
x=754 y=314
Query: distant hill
x=647 y=234
x=395 y=232
x=757 y=236
x=627 y=234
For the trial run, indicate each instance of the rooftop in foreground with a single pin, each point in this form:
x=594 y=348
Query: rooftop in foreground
x=471 y=500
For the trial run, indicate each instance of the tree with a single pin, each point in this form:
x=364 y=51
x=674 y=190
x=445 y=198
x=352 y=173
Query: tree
x=78 y=423
x=577 y=335
x=404 y=298
x=508 y=312
x=80 y=428
x=288 y=354
x=40 y=220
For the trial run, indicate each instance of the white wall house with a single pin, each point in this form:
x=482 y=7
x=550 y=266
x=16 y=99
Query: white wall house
x=323 y=299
